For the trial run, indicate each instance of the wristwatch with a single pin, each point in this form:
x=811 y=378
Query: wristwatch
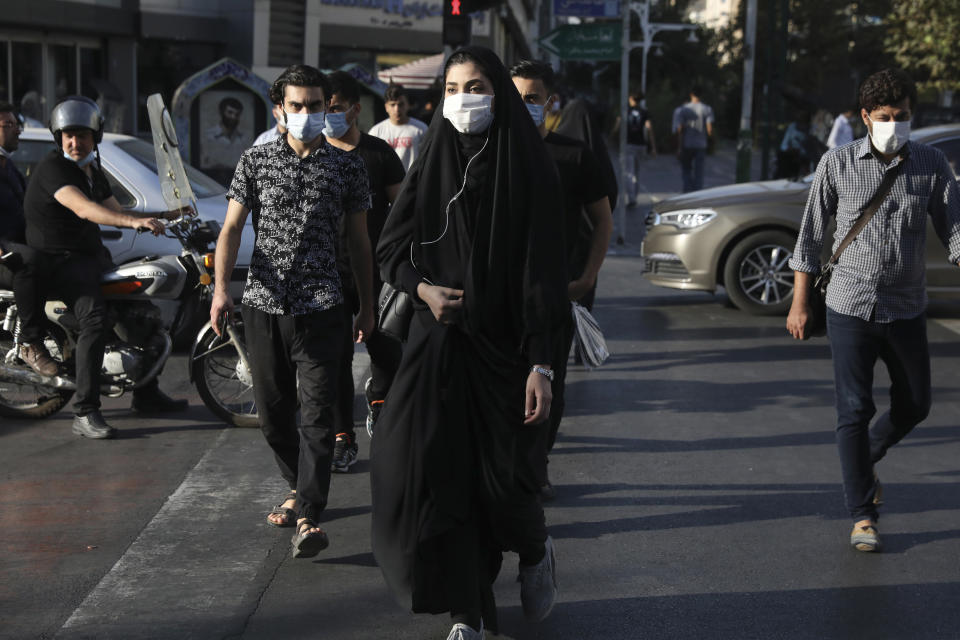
x=544 y=372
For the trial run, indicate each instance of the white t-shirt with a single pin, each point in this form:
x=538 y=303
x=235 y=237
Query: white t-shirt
x=841 y=134
x=269 y=135
x=404 y=138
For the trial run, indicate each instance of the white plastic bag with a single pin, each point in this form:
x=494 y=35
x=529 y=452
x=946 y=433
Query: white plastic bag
x=591 y=347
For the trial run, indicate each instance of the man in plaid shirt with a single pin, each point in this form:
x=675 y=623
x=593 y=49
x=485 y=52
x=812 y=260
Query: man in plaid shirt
x=876 y=300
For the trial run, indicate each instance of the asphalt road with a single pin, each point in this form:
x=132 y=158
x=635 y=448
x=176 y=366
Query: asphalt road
x=698 y=495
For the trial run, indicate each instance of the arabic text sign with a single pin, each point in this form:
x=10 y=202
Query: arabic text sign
x=595 y=41
x=587 y=8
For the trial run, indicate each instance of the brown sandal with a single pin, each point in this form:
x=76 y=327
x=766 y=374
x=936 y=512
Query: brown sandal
x=289 y=515
x=307 y=543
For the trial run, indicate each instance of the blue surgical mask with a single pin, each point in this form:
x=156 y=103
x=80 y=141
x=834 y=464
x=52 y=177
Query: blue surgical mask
x=536 y=112
x=305 y=126
x=82 y=162
x=337 y=125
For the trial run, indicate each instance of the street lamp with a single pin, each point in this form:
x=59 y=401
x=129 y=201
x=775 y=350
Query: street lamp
x=648 y=30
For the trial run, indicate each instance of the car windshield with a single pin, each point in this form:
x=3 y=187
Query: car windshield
x=203 y=185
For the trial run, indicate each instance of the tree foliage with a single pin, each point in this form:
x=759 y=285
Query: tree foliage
x=809 y=55
x=922 y=37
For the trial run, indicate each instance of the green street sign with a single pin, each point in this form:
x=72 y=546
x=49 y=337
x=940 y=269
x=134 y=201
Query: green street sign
x=593 y=41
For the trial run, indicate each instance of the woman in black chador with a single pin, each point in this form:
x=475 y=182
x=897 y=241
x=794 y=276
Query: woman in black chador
x=484 y=264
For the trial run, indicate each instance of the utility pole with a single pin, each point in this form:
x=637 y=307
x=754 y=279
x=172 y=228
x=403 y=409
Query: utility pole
x=648 y=30
x=745 y=139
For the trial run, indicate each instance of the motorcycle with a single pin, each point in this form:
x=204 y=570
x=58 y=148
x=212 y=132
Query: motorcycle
x=138 y=340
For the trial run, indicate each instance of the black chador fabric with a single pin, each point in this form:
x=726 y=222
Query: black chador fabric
x=444 y=452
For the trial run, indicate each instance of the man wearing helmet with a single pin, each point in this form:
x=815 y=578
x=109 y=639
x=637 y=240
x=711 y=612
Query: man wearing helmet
x=67 y=198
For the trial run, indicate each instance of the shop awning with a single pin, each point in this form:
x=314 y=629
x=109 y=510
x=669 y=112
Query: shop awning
x=418 y=74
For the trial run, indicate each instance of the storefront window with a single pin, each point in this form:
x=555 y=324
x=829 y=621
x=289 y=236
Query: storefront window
x=4 y=75
x=28 y=81
x=63 y=70
x=91 y=69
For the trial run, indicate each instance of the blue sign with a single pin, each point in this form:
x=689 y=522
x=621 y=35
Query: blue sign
x=587 y=8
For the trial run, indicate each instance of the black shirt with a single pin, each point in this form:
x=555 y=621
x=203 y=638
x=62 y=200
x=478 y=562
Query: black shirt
x=582 y=185
x=384 y=168
x=12 y=186
x=636 y=125
x=52 y=226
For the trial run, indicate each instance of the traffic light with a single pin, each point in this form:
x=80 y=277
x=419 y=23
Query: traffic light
x=456 y=19
x=456 y=23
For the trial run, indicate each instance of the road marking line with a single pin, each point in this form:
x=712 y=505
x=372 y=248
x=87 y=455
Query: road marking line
x=948 y=323
x=192 y=568
x=197 y=556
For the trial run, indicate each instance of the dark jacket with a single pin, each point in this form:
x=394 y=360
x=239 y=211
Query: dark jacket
x=12 y=187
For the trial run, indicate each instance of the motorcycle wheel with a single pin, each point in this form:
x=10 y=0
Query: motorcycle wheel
x=24 y=400
x=223 y=383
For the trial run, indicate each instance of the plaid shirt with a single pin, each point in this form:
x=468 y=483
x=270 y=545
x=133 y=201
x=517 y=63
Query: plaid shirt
x=881 y=276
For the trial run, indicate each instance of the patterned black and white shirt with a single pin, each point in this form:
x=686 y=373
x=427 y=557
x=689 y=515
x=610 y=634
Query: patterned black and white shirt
x=881 y=276
x=297 y=205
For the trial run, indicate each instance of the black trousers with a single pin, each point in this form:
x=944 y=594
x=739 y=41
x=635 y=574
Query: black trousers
x=75 y=279
x=537 y=441
x=23 y=274
x=385 y=354
x=281 y=349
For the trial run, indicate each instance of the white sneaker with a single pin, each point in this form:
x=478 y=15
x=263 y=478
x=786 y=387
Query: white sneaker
x=462 y=631
x=538 y=585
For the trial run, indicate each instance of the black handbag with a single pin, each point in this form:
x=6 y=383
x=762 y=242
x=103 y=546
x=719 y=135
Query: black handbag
x=394 y=312
x=817 y=297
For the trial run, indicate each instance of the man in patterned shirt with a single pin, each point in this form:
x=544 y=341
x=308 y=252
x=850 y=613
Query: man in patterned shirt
x=877 y=298
x=298 y=189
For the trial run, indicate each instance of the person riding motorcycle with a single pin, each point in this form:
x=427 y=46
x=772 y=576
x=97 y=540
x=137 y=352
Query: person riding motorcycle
x=67 y=198
x=16 y=259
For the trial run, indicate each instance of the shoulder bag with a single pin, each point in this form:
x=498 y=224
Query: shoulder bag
x=394 y=312
x=817 y=297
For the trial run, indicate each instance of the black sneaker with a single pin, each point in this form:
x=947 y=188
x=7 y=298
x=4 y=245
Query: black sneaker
x=373 y=408
x=344 y=453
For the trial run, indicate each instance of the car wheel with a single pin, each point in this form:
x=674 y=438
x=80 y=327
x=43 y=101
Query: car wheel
x=757 y=276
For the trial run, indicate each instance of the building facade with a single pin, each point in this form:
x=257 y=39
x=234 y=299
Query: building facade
x=121 y=51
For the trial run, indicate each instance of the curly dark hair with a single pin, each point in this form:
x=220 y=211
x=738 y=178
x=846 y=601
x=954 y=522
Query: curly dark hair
x=299 y=75
x=887 y=87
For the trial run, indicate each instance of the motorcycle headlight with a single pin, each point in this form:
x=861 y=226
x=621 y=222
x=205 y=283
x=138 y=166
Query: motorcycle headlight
x=687 y=218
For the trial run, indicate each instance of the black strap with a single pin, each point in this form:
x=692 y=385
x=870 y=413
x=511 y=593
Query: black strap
x=882 y=191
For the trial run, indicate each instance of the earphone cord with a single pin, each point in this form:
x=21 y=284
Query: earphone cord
x=446 y=224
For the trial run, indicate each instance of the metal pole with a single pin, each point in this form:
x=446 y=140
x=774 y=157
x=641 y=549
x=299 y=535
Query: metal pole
x=647 y=37
x=624 y=82
x=745 y=142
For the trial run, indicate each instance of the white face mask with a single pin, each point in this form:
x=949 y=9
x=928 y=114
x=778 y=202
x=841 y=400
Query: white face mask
x=469 y=112
x=889 y=137
x=82 y=162
x=305 y=126
x=537 y=113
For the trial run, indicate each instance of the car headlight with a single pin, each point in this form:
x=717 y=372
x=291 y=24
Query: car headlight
x=686 y=218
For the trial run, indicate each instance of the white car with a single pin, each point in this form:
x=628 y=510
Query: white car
x=131 y=168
